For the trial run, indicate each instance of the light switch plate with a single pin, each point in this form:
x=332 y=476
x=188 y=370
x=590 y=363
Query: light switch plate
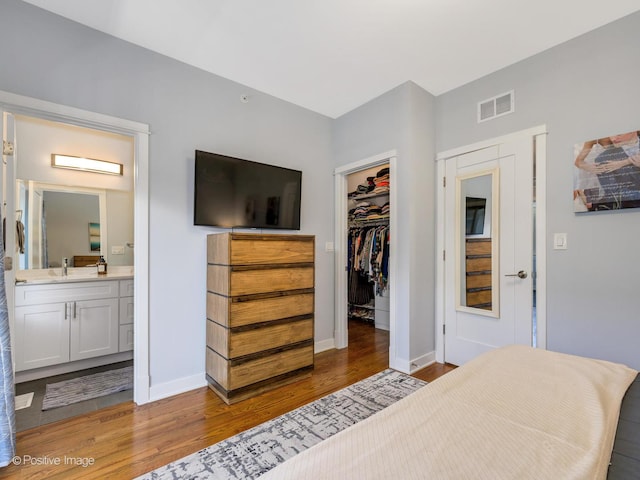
x=559 y=241
x=117 y=250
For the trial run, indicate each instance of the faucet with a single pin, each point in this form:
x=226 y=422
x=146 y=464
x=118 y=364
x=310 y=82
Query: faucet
x=65 y=266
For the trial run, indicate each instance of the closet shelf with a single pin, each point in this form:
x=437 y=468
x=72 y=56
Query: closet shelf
x=369 y=195
x=369 y=221
x=366 y=306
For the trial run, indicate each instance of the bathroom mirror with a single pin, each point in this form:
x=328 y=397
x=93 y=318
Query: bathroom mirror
x=477 y=223
x=107 y=200
x=59 y=221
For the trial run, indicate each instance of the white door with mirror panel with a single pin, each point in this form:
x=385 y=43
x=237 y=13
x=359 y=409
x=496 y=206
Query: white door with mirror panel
x=488 y=240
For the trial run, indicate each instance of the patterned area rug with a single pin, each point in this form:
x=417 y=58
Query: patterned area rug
x=256 y=451
x=87 y=387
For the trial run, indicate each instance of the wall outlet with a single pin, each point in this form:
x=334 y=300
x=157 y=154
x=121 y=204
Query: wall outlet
x=117 y=250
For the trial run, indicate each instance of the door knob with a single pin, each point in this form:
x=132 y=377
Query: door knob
x=520 y=274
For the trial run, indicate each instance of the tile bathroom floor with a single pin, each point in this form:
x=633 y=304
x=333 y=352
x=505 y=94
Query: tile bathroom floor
x=33 y=416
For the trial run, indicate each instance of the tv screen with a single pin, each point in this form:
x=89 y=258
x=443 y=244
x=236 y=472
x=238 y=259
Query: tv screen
x=475 y=208
x=231 y=192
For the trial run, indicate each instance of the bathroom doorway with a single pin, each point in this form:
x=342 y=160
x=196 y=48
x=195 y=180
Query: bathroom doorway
x=66 y=222
x=15 y=105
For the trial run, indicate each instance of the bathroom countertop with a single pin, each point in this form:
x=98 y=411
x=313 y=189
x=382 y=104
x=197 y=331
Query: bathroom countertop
x=79 y=274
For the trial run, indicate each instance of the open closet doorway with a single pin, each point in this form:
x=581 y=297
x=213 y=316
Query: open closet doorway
x=368 y=246
x=364 y=252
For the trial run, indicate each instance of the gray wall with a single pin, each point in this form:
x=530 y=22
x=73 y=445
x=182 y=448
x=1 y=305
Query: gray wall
x=583 y=89
x=402 y=120
x=60 y=61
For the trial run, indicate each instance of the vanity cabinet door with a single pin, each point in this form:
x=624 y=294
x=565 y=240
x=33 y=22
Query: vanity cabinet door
x=94 y=328
x=126 y=337
x=42 y=335
x=126 y=310
x=126 y=322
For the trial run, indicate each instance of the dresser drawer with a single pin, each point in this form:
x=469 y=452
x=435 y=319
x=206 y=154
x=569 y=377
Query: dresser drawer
x=479 y=298
x=478 y=247
x=232 y=281
x=231 y=376
x=249 y=249
x=478 y=281
x=479 y=264
x=253 y=340
x=230 y=313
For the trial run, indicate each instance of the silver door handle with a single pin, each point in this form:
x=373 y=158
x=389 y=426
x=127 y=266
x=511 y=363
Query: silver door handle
x=520 y=274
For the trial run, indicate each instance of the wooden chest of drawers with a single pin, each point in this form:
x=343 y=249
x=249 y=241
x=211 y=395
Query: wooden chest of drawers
x=260 y=312
x=478 y=273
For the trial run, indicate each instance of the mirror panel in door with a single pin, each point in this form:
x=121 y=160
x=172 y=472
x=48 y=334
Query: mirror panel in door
x=477 y=237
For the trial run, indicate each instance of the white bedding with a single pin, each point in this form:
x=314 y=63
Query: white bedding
x=513 y=413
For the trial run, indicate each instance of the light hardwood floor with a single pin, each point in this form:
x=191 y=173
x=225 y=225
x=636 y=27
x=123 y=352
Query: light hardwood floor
x=126 y=440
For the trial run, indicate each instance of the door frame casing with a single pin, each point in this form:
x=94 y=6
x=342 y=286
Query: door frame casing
x=538 y=145
x=18 y=104
x=341 y=337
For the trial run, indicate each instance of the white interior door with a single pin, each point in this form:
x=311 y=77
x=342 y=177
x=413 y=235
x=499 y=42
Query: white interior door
x=488 y=296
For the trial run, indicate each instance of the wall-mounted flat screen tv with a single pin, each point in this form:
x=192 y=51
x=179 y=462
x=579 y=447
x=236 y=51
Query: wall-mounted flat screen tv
x=235 y=193
x=475 y=208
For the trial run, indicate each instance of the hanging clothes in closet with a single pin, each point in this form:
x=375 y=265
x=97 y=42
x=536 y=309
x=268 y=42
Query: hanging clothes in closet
x=368 y=247
x=368 y=262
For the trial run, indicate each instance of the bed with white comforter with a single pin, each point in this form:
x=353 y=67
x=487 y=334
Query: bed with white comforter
x=513 y=413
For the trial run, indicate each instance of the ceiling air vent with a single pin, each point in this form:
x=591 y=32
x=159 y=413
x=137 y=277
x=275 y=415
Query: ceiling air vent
x=497 y=106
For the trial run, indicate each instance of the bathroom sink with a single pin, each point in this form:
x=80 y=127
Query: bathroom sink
x=81 y=272
x=74 y=274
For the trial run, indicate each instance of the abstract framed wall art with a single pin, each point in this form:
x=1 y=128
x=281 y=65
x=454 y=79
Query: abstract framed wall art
x=607 y=173
x=94 y=237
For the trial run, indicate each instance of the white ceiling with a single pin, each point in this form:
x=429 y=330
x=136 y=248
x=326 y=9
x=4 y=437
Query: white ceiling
x=331 y=56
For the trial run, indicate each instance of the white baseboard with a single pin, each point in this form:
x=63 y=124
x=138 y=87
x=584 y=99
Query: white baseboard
x=411 y=366
x=324 y=345
x=175 y=387
x=182 y=385
x=422 y=361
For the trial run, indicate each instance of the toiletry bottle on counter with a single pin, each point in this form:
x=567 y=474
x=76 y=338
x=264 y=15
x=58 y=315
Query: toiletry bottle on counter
x=102 y=266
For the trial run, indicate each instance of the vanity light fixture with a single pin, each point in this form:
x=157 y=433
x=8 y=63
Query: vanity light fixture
x=86 y=164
